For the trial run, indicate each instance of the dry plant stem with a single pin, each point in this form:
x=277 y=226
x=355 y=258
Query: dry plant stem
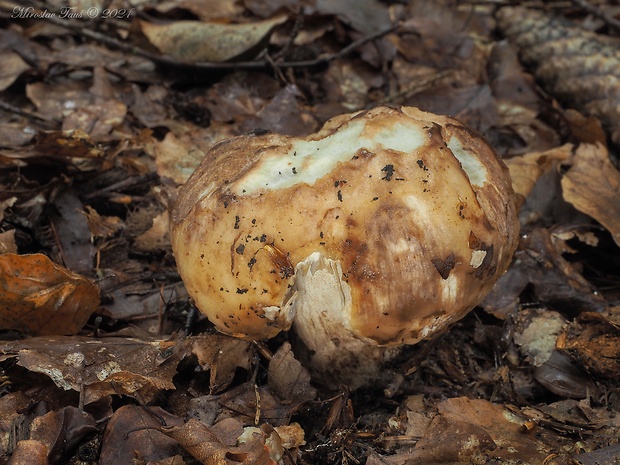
x=124 y=184
x=587 y=7
x=40 y=119
x=169 y=61
x=417 y=87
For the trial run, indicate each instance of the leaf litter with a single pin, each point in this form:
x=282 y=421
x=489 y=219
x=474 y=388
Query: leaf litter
x=104 y=360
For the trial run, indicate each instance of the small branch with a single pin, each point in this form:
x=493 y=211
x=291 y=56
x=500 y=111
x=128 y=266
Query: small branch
x=587 y=7
x=28 y=114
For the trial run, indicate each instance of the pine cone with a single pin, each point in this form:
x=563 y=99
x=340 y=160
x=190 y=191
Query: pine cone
x=578 y=67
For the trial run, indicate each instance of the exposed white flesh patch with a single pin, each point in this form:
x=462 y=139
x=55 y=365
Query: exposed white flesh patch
x=450 y=287
x=309 y=160
x=432 y=326
x=475 y=170
x=271 y=313
x=477 y=257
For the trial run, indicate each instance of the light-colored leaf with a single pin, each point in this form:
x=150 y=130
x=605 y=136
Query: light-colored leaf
x=39 y=297
x=592 y=186
x=201 y=41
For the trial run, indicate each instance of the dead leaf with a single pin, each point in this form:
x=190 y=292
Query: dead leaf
x=367 y=16
x=593 y=341
x=197 y=439
x=61 y=431
x=74 y=236
x=289 y=380
x=12 y=408
x=222 y=355
x=40 y=297
x=526 y=170
x=29 y=452
x=156 y=238
x=212 y=42
x=133 y=436
x=12 y=67
x=101 y=367
x=592 y=186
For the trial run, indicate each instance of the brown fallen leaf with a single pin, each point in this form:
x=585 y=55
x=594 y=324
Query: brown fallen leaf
x=61 y=431
x=40 y=297
x=12 y=412
x=592 y=186
x=593 y=341
x=100 y=367
x=288 y=379
x=197 y=439
x=526 y=170
x=29 y=452
x=12 y=67
x=203 y=41
x=221 y=355
x=133 y=436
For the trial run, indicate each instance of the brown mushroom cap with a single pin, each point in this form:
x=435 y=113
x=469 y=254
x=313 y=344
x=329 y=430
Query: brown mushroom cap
x=389 y=223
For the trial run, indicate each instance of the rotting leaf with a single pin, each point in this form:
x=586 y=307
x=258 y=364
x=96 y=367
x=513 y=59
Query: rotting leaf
x=593 y=341
x=74 y=235
x=60 y=431
x=222 y=355
x=592 y=186
x=288 y=378
x=40 y=297
x=101 y=367
x=212 y=42
x=197 y=439
x=133 y=436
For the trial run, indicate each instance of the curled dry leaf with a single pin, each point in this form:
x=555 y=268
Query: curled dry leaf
x=527 y=169
x=221 y=355
x=197 y=439
x=202 y=41
x=593 y=340
x=592 y=186
x=40 y=297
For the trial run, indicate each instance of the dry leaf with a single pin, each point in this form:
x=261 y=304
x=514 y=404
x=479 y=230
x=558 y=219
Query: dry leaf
x=289 y=380
x=202 y=41
x=594 y=342
x=592 y=186
x=40 y=297
x=60 y=431
x=29 y=452
x=222 y=355
x=12 y=67
x=197 y=439
x=101 y=367
x=132 y=436
x=156 y=238
x=527 y=169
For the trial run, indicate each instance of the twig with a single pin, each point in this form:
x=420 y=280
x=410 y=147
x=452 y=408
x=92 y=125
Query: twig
x=28 y=114
x=418 y=86
x=585 y=6
x=124 y=184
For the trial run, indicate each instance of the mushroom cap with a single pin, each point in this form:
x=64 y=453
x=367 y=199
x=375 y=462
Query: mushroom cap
x=391 y=223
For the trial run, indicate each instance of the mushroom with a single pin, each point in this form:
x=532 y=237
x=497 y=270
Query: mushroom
x=378 y=231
